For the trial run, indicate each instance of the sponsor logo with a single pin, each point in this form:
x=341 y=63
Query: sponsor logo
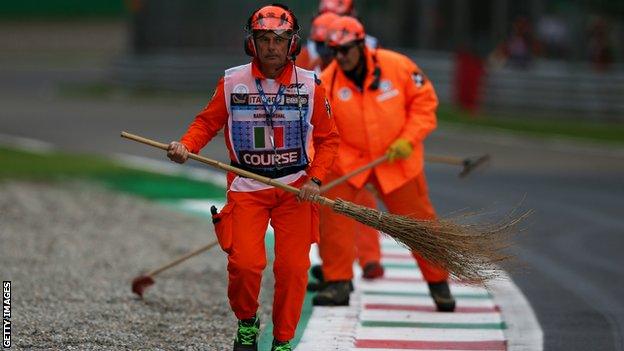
x=345 y=94
x=387 y=95
x=269 y=158
x=256 y=100
x=239 y=99
x=297 y=88
x=240 y=89
x=293 y=100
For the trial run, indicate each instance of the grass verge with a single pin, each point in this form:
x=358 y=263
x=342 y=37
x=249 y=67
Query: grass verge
x=24 y=165
x=610 y=132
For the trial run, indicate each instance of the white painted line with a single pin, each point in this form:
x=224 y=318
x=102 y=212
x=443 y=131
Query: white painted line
x=429 y=317
x=423 y=301
x=381 y=286
x=331 y=328
x=26 y=144
x=523 y=332
x=170 y=168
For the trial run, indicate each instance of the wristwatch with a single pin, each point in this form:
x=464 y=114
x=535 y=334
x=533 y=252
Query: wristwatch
x=316 y=181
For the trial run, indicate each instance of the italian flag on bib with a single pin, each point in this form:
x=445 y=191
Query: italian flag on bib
x=262 y=137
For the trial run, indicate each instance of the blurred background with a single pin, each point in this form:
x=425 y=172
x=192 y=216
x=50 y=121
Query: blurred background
x=553 y=58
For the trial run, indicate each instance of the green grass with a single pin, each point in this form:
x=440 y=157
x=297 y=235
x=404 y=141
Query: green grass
x=54 y=167
x=597 y=131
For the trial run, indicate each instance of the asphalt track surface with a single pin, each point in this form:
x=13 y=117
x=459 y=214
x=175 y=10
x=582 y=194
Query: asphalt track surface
x=569 y=261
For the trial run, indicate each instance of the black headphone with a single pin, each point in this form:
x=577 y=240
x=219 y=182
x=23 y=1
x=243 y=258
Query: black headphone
x=295 y=41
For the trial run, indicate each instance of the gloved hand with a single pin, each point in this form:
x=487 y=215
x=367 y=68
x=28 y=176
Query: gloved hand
x=400 y=149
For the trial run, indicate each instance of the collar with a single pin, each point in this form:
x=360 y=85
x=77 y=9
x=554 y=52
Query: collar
x=284 y=78
x=369 y=54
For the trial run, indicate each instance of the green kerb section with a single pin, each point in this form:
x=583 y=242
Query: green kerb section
x=423 y=294
x=392 y=324
x=410 y=265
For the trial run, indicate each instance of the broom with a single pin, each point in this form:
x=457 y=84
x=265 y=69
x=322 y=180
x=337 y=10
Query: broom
x=466 y=251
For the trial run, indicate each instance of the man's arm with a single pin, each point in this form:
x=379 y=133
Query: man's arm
x=324 y=136
x=208 y=122
x=421 y=103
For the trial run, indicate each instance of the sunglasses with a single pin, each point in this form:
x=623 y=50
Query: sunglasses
x=341 y=49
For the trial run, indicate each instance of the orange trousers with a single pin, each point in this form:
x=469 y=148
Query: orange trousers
x=337 y=244
x=366 y=238
x=245 y=220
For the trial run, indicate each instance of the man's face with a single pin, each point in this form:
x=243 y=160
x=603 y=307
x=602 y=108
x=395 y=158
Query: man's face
x=272 y=48
x=348 y=56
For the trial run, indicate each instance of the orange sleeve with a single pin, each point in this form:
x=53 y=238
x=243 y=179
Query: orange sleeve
x=208 y=122
x=324 y=136
x=421 y=104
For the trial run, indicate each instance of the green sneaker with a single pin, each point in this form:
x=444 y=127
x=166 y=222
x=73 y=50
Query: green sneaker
x=247 y=335
x=281 y=346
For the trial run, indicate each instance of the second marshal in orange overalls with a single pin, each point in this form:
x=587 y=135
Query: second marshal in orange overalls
x=382 y=104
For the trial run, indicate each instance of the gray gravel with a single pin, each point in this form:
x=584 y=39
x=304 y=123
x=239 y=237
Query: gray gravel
x=71 y=251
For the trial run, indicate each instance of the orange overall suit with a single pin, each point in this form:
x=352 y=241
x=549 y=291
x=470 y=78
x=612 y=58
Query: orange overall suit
x=402 y=106
x=275 y=151
x=367 y=238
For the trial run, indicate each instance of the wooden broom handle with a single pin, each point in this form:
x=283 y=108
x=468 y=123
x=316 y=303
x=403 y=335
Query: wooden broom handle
x=266 y=180
x=337 y=181
x=181 y=259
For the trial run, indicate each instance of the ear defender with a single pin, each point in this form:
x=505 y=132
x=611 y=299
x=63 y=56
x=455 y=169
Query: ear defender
x=250 y=46
x=295 y=46
x=295 y=41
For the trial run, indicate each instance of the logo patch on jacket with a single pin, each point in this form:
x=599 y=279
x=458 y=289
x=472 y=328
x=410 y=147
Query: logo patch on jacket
x=345 y=94
x=419 y=79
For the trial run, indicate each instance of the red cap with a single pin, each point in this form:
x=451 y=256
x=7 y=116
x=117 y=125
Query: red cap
x=339 y=7
x=320 y=26
x=345 y=30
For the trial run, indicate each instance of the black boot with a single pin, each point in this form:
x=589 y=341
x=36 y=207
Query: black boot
x=334 y=294
x=317 y=273
x=441 y=294
x=247 y=335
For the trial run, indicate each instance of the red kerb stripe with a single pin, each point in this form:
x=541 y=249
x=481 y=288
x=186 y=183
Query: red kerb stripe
x=431 y=345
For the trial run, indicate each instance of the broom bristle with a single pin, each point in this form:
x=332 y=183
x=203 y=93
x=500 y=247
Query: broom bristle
x=468 y=251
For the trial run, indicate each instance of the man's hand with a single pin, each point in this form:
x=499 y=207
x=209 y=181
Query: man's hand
x=177 y=152
x=309 y=191
x=400 y=149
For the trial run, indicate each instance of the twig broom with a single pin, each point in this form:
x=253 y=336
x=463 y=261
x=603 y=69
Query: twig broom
x=466 y=251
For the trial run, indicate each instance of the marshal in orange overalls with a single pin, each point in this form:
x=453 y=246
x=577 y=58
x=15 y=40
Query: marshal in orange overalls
x=256 y=146
x=369 y=121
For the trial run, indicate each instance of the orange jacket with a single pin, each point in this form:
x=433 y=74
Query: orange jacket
x=215 y=115
x=403 y=106
x=305 y=60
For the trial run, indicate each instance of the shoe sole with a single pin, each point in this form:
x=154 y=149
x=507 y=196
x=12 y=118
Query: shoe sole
x=331 y=303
